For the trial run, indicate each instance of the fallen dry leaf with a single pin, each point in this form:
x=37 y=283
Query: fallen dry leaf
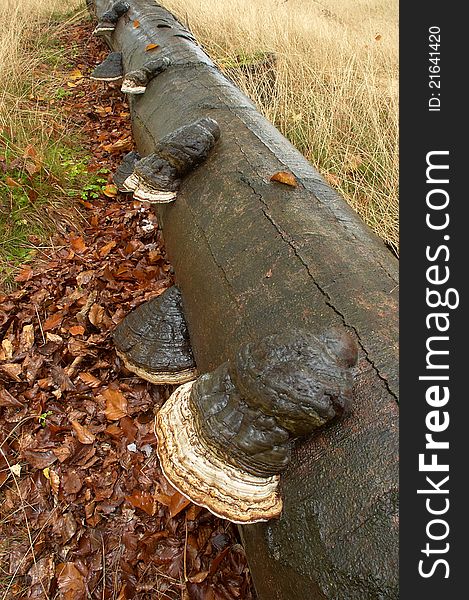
x=136 y=23
x=27 y=338
x=151 y=47
x=284 y=177
x=12 y=370
x=96 y=315
x=104 y=251
x=78 y=244
x=143 y=500
x=71 y=582
x=53 y=321
x=84 y=435
x=178 y=504
x=110 y=190
x=77 y=330
x=116 y=404
x=90 y=379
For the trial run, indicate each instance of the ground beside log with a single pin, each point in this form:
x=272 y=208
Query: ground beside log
x=85 y=512
x=254 y=257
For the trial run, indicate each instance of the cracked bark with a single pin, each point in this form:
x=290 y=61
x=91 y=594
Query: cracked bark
x=253 y=257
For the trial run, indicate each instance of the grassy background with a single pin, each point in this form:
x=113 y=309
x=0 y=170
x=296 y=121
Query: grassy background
x=332 y=91
x=41 y=164
x=335 y=93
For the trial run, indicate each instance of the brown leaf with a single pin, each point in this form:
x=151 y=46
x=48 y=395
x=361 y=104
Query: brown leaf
x=178 y=504
x=71 y=582
x=84 y=435
x=110 y=190
x=6 y=399
x=122 y=144
x=378 y=36
x=54 y=481
x=151 y=47
x=8 y=350
x=25 y=274
x=284 y=177
x=136 y=23
x=116 y=404
x=71 y=482
x=53 y=321
x=77 y=330
x=143 y=500
x=12 y=370
x=11 y=182
x=78 y=244
x=104 y=251
x=27 y=338
x=39 y=458
x=89 y=379
x=199 y=577
x=96 y=315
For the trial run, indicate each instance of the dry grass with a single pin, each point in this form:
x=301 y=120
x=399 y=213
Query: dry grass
x=30 y=121
x=335 y=95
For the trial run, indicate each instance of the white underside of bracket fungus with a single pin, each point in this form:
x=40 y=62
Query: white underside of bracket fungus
x=206 y=479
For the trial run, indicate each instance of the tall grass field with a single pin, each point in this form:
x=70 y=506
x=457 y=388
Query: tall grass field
x=335 y=95
x=34 y=132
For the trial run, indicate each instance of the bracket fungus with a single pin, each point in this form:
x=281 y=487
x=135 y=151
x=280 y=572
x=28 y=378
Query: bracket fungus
x=157 y=177
x=136 y=82
x=108 y=21
x=224 y=439
x=153 y=341
x=125 y=169
x=110 y=69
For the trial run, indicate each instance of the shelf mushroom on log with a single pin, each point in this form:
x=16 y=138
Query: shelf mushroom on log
x=110 y=69
x=157 y=177
x=224 y=439
x=253 y=259
x=153 y=341
x=109 y=19
x=136 y=81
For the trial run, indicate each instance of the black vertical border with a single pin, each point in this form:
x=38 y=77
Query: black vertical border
x=423 y=131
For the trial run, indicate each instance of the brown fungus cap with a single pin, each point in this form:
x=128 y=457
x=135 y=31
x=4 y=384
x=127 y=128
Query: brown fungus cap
x=153 y=341
x=199 y=473
x=110 y=69
x=224 y=440
x=157 y=177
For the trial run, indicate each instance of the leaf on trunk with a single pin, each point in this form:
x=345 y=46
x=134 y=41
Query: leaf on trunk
x=284 y=177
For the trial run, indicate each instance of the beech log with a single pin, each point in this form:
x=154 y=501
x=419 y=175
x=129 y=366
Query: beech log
x=254 y=257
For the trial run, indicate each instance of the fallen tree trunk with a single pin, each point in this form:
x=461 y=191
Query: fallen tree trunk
x=253 y=257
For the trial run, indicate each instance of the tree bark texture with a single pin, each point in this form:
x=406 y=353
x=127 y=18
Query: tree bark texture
x=253 y=257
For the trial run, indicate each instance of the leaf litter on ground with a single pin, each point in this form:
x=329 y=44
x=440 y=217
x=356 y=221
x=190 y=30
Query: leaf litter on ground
x=85 y=511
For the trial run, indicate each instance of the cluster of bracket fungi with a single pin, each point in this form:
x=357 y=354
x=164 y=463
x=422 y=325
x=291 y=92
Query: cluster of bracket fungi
x=223 y=437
